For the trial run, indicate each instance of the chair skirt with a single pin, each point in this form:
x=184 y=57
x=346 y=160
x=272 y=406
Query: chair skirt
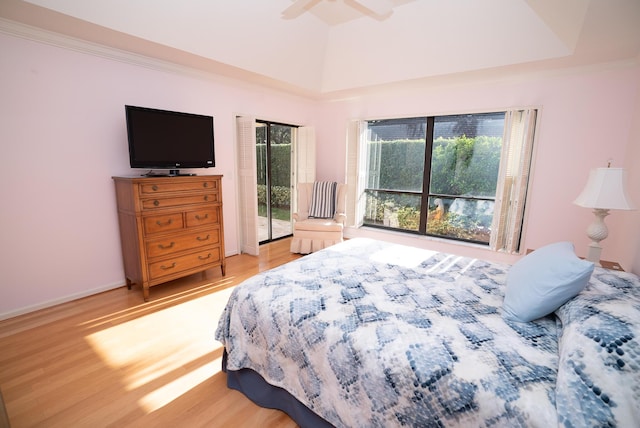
x=309 y=241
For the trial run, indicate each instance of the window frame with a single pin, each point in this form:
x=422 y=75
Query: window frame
x=507 y=230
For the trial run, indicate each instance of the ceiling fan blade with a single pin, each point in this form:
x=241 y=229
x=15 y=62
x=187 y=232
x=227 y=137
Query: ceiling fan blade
x=298 y=8
x=378 y=7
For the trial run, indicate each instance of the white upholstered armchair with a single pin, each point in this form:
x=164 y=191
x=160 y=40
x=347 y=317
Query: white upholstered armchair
x=321 y=216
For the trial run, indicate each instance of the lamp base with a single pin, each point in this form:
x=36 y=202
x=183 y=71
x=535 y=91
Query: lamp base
x=594 y=253
x=597 y=231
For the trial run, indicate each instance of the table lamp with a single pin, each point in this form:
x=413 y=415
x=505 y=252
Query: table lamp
x=605 y=190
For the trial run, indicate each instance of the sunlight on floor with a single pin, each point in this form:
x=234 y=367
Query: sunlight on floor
x=128 y=313
x=170 y=391
x=165 y=353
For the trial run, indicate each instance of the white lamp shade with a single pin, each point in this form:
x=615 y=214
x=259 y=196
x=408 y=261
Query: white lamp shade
x=606 y=190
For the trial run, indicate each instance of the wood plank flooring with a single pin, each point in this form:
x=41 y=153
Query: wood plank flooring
x=114 y=360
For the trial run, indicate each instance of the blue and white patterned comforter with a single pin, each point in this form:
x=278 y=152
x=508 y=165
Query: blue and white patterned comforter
x=372 y=334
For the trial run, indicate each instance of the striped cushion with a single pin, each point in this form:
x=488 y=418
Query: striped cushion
x=323 y=199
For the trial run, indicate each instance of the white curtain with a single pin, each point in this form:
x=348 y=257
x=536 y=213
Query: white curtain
x=247 y=187
x=305 y=146
x=356 y=172
x=304 y=160
x=513 y=180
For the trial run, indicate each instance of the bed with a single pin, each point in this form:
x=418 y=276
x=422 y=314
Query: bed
x=373 y=334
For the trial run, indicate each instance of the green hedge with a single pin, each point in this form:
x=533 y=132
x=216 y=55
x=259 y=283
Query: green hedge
x=280 y=196
x=459 y=166
x=465 y=166
x=280 y=164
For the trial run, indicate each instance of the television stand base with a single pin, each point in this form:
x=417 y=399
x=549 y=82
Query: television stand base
x=170 y=173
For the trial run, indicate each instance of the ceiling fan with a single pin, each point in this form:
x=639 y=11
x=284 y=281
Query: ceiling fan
x=378 y=8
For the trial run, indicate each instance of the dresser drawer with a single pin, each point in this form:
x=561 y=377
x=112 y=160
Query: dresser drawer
x=162 y=223
x=203 y=217
x=175 y=244
x=168 y=186
x=179 y=201
x=183 y=263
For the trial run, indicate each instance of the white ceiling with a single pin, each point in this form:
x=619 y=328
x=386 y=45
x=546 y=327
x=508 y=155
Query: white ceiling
x=337 y=47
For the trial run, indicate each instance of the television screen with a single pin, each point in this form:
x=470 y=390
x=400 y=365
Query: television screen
x=168 y=139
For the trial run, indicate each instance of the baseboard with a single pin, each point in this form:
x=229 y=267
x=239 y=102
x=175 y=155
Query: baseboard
x=54 y=302
x=69 y=298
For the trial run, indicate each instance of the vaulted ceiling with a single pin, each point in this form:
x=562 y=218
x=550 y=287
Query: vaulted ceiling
x=331 y=47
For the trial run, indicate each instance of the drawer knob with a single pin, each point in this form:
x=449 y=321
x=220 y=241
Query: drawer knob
x=206 y=197
x=156 y=202
x=154 y=187
x=166 y=247
x=163 y=267
x=167 y=223
x=206 y=238
x=199 y=217
x=208 y=256
x=205 y=184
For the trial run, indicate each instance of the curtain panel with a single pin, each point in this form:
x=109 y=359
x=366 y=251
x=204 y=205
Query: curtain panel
x=513 y=180
x=247 y=187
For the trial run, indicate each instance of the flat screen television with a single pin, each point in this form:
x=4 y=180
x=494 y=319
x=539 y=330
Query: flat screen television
x=169 y=140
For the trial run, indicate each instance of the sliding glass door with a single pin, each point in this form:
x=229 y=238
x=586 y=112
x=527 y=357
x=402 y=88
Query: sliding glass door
x=273 y=154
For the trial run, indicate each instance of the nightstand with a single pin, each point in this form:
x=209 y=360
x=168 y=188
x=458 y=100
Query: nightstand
x=611 y=265
x=605 y=263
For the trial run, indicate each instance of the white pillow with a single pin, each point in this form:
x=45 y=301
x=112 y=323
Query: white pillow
x=544 y=280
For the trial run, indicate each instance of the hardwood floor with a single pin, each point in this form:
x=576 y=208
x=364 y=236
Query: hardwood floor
x=114 y=360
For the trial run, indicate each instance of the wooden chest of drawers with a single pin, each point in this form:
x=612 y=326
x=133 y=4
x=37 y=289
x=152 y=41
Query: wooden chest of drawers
x=170 y=227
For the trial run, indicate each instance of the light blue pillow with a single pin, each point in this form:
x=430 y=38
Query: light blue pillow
x=544 y=280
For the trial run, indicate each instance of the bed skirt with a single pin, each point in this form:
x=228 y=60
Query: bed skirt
x=255 y=388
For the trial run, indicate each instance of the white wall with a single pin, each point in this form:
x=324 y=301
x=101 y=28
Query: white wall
x=63 y=137
x=587 y=117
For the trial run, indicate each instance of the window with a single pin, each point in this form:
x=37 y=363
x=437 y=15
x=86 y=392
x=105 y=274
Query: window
x=447 y=176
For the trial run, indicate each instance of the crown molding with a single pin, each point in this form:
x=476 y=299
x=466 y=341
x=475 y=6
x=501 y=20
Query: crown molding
x=205 y=69
x=29 y=32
